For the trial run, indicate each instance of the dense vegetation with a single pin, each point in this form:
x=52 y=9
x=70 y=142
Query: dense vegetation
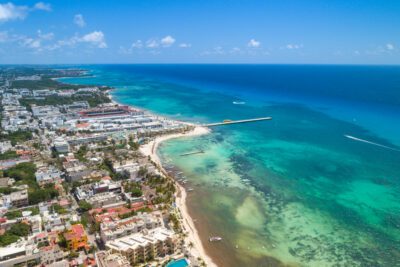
x=134 y=189
x=13 y=214
x=43 y=194
x=16 y=137
x=84 y=206
x=8 y=155
x=93 y=100
x=7 y=190
x=24 y=173
x=58 y=209
x=44 y=83
x=81 y=153
x=16 y=231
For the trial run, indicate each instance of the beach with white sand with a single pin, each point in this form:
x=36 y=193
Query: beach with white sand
x=192 y=237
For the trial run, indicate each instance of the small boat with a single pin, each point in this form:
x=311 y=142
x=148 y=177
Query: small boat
x=239 y=102
x=215 y=238
x=190 y=189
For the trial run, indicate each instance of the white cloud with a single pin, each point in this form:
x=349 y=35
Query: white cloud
x=96 y=38
x=235 y=50
x=253 y=43
x=152 y=43
x=137 y=44
x=10 y=11
x=293 y=46
x=167 y=40
x=42 y=6
x=38 y=43
x=45 y=36
x=185 y=45
x=31 y=43
x=79 y=20
x=390 y=46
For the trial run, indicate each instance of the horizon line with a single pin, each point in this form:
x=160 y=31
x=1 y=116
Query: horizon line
x=203 y=63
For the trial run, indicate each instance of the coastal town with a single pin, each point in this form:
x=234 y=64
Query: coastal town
x=80 y=180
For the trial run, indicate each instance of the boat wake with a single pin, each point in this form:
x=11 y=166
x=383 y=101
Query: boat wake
x=371 y=143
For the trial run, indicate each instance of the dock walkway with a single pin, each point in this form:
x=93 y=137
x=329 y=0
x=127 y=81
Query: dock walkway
x=237 y=122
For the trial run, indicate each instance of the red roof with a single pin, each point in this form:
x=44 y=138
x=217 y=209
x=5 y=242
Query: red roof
x=76 y=232
x=63 y=202
x=82 y=125
x=41 y=235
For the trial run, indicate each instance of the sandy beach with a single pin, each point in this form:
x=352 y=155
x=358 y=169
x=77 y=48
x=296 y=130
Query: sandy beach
x=150 y=149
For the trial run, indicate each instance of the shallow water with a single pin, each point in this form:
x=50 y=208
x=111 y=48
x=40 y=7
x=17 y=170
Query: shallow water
x=293 y=190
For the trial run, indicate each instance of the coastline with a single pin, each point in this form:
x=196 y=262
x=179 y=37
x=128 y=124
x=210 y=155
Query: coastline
x=150 y=149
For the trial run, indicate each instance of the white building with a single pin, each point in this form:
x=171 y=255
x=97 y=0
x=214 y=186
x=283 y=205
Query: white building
x=145 y=246
x=60 y=145
x=110 y=230
x=5 y=146
x=48 y=175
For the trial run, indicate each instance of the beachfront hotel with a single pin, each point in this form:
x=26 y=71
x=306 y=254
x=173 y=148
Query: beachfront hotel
x=145 y=246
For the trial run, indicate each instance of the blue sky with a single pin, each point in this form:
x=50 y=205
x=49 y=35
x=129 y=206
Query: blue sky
x=203 y=31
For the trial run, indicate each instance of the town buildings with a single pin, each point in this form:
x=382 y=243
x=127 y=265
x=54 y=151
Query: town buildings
x=81 y=153
x=146 y=245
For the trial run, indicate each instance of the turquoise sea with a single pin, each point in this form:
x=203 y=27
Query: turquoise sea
x=292 y=191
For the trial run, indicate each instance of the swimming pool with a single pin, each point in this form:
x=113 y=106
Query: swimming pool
x=178 y=263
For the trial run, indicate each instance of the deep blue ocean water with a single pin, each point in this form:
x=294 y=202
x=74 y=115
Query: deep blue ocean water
x=294 y=190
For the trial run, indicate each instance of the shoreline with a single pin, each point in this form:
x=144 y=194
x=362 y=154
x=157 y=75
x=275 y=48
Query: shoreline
x=150 y=149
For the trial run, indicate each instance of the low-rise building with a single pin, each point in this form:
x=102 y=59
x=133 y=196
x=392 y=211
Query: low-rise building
x=5 y=146
x=145 y=246
x=45 y=111
x=109 y=259
x=76 y=106
x=52 y=221
x=48 y=174
x=60 y=145
x=107 y=199
x=76 y=237
x=16 y=199
x=6 y=182
x=75 y=170
x=113 y=229
x=50 y=254
x=20 y=253
x=87 y=191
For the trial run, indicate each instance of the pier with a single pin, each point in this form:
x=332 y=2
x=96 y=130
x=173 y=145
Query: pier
x=192 y=153
x=227 y=122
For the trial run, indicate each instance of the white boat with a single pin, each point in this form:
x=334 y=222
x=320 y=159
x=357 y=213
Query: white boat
x=239 y=102
x=215 y=238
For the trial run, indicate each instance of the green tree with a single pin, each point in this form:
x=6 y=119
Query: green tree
x=20 y=229
x=23 y=171
x=84 y=206
x=136 y=192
